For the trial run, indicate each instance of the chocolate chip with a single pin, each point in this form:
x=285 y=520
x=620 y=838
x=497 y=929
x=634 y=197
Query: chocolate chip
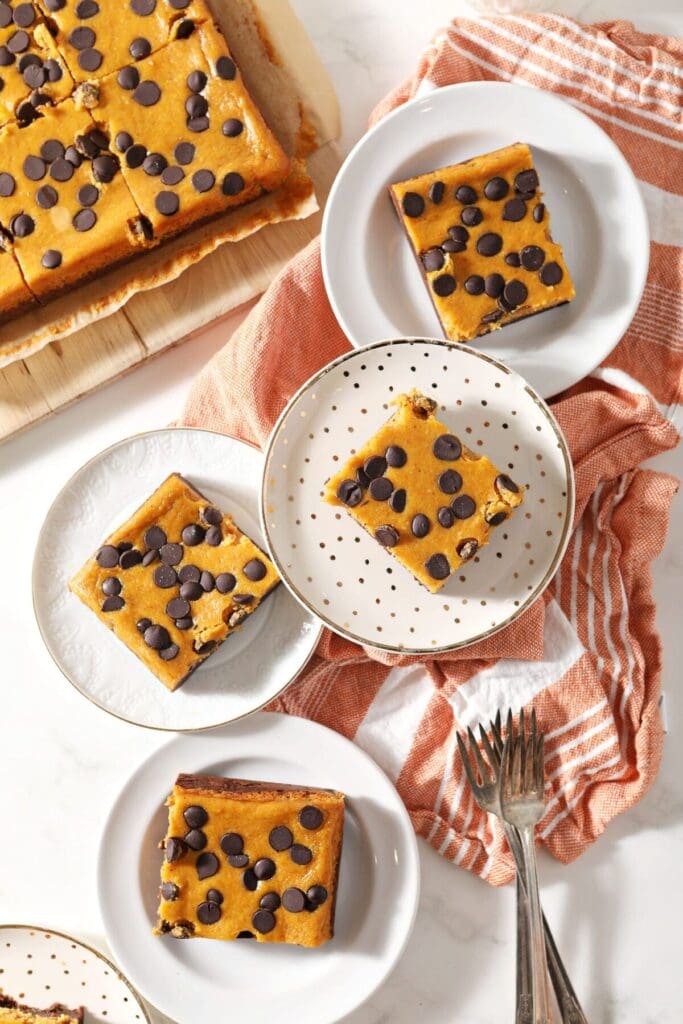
x=471 y=216
x=191 y=591
x=87 y=9
x=362 y=478
x=195 y=816
x=184 y=153
x=539 y=212
x=124 y=140
x=208 y=913
x=413 y=204
x=154 y=164
x=249 y=880
x=515 y=293
x=165 y=576
x=167 y=203
x=496 y=188
x=463 y=506
x=514 y=209
x=193 y=534
x=34 y=76
x=310 y=817
x=243 y=599
x=225 y=582
x=201 y=124
x=232 y=127
x=128 y=78
x=254 y=570
x=503 y=304
x=54 y=70
x=104 y=168
x=196 y=839
x=19 y=42
x=420 y=525
x=82 y=38
x=5 y=15
x=169 y=891
x=375 y=466
x=270 y=901
x=85 y=220
x=7 y=58
x=397 y=501
x=226 y=68
x=175 y=849
x=505 y=483
x=147 y=94
x=465 y=194
x=244 y=934
x=447 y=448
x=532 y=257
x=111 y=586
x=51 y=259
x=496 y=519
x=88 y=196
x=280 y=838
x=196 y=106
x=171 y=554
x=551 y=274
x=107 y=557
x=203 y=181
x=489 y=244
x=22 y=225
x=112 y=604
x=449 y=481
x=526 y=181
x=135 y=156
x=263 y=921
x=72 y=156
x=207 y=580
x=62 y=170
x=172 y=175
x=512 y=259
x=231 y=843
x=185 y=623
x=300 y=854
x=474 y=285
x=155 y=537
x=90 y=60
x=381 y=488
x=445 y=517
x=238 y=860
x=491 y=318
x=143 y=7
x=433 y=259
x=494 y=285
x=293 y=900
x=317 y=894
x=157 y=637
x=458 y=233
x=264 y=868
x=178 y=608
x=7 y=185
x=196 y=81
x=444 y=285
x=436 y=191
x=131 y=556
x=387 y=536
x=438 y=567
x=189 y=573
x=34 y=168
x=142 y=624
x=214 y=896
x=233 y=183
x=467 y=548
x=207 y=865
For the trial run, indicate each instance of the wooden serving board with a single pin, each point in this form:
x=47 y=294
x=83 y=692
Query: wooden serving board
x=152 y=321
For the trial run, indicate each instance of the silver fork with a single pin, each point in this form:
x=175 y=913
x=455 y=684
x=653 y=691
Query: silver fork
x=487 y=794
x=522 y=800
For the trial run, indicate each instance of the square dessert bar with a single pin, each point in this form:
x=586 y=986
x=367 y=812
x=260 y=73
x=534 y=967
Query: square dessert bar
x=250 y=860
x=422 y=494
x=33 y=73
x=481 y=235
x=175 y=580
x=12 y=1012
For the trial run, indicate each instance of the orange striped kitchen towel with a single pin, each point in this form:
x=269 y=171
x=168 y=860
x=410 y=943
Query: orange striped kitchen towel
x=587 y=656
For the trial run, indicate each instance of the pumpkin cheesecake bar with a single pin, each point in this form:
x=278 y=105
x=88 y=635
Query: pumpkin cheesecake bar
x=12 y=1012
x=63 y=202
x=192 y=144
x=175 y=580
x=481 y=234
x=33 y=73
x=422 y=494
x=250 y=860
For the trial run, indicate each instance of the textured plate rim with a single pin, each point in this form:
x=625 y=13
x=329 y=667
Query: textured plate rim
x=366 y=139
x=91 y=949
x=560 y=550
x=46 y=641
x=411 y=844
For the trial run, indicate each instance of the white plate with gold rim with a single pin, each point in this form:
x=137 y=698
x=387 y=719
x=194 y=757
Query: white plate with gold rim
x=373 y=282
x=197 y=981
x=251 y=668
x=41 y=967
x=339 y=572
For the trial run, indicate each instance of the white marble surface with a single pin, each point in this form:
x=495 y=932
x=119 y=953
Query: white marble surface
x=616 y=913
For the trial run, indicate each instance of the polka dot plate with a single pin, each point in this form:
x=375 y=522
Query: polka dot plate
x=339 y=572
x=39 y=967
x=203 y=981
x=372 y=279
x=254 y=664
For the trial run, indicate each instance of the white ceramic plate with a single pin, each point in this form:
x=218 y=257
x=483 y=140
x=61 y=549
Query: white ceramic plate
x=199 y=980
x=247 y=671
x=41 y=967
x=339 y=571
x=596 y=213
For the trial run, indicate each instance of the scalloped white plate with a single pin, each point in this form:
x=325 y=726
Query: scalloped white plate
x=201 y=981
x=251 y=668
x=373 y=282
x=41 y=967
x=339 y=572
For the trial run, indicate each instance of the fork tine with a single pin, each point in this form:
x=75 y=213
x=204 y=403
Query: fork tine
x=531 y=766
x=533 y=723
x=517 y=765
x=506 y=766
x=510 y=725
x=466 y=763
x=522 y=723
x=493 y=756
x=540 y=766
x=497 y=735
x=521 y=734
x=481 y=764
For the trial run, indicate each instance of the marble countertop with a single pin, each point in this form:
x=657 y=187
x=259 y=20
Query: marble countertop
x=616 y=913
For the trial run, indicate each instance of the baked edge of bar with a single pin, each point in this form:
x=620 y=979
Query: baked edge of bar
x=220 y=784
x=49 y=1013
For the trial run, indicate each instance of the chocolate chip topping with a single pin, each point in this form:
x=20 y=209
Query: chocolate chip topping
x=208 y=912
x=207 y=865
x=270 y=901
x=551 y=274
x=381 y=488
x=214 y=896
x=171 y=554
x=191 y=590
x=169 y=891
x=51 y=259
x=438 y=567
x=526 y=181
x=232 y=127
x=249 y=880
x=264 y=868
x=175 y=849
x=195 y=816
x=88 y=196
x=433 y=259
x=445 y=517
x=467 y=548
x=514 y=209
x=226 y=68
x=300 y=854
x=184 y=153
x=34 y=168
x=207 y=580
x=496 y=519
x=471 y=216
x=193 y=534
x=375 y=467
x=147 y=94
x=238 y=860
x=293 y=900
x=225 y=582
x=496 y=188
x=196 y=839
x=449 y=481
x=165 y=576
x=310 y=817
x=444 y=285
x=111 y=586
x=7 y=185
x=505 y=483
x=397 y=501
x=395 y=456
x=263 y=921
x=474 y=285
x=85 y=220
x=436 y=191
x=255 y=570
x=128 y=78
x=233 y=183
x=232 y=843
x=280 y=838
x=512 y=259
x=465 y=194
x=489 y=244
x=492 y=317
x=447 y=447
x=463 y=506
x=532 y=257
x=458 y=233
x=420 y=526
x=515 y=293
x=107 y=557
x=135 y=156
x=157 y=637
x=113 y=604
x=539 y=212
x=387 y=536
x=413 y=204
x=143 y=7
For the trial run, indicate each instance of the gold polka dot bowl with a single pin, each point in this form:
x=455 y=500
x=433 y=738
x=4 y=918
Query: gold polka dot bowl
x=41 y=967
x=346 y=574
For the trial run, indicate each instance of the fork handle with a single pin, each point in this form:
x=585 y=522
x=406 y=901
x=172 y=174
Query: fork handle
x=539 y=965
